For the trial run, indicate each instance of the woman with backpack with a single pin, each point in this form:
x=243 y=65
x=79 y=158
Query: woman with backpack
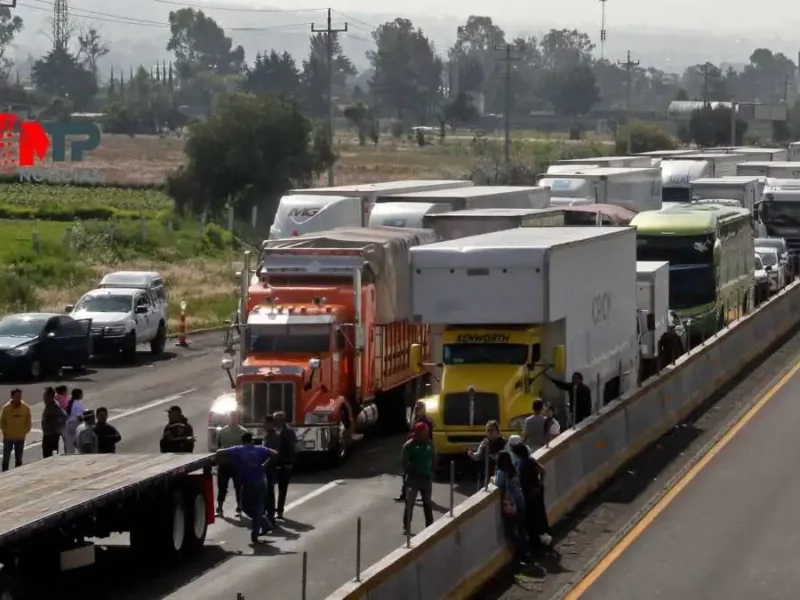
x=531 y=477
x=512 y=502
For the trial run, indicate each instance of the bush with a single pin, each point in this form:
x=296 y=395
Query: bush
x=398 y=129
x=17 y=294
x=645 y=137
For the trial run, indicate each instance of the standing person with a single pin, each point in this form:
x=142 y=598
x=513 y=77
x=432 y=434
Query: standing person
x=107 y=435
x=250 y=461
x=272 y=440
x=286 y=459
x=490 y=448
x=229 y=436
x=531 y=477
x=54 y=419
x=178 y=434
x=420 y=416
x=75 y=411
x=512 y=504
x=580 y=397
x=539 y=428
x=62 y=396
x=15 y=423
x=418 y=465
x=85 y=437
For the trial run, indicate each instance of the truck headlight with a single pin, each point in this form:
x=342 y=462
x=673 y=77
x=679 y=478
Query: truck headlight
x=517 y=423
x=318 y=418
x=114 y=329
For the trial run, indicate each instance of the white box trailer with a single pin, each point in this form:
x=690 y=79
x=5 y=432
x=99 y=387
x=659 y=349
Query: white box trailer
x=479 y=196
x=577 y=283
x=793 y=152
x=609 y=161
x=404 y=214
x=559 y=169
x=677 y=175
x=652 y=298
x=667 y=153
x=465 y=223
x=722 y=163
x=745 y=189
x=636 y=189
x=763 y=154
x=777 y=169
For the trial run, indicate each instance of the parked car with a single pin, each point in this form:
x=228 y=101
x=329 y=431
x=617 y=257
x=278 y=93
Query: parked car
x=35 y=344
x=776 y=272
x=761 y=281
x=782 y=247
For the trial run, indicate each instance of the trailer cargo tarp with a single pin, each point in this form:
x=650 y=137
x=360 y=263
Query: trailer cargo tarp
x=386 y=255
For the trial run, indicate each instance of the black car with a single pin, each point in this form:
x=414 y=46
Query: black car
x=32 y=344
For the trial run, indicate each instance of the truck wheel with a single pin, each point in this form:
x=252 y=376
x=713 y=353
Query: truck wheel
x=339 y=448
x=160 y=341
x=160 y=531
x=35 y=369
x=196 y=520
x=129 y=348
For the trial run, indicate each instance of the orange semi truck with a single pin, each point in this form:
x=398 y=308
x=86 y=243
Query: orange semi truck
x=326 y=337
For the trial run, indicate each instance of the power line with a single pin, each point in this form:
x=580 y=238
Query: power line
x=629 y=64
x=329 y=31
x=508 y=59
x=231 y=9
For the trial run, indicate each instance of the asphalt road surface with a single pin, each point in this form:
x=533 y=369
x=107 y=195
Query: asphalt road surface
x=731 y=529
x=322 y=508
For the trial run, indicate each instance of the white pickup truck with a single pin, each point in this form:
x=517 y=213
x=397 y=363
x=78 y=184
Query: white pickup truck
x=127 y=309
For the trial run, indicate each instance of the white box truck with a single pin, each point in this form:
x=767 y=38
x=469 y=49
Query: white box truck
x=667 y=153
x=677 y=175
x=793 y=152
x=404 y=214
x=636 y=189
x=652 y=309
x=298 y=217
x=465 y=223
x=778 y=169
x=479 y=196
x=514 y=304
x=722 y=163
x=609 y=161
x=762 y=154
x=779 y=214
x=745 y=189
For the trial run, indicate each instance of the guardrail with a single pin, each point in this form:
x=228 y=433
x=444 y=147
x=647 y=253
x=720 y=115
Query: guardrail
x=458 y=554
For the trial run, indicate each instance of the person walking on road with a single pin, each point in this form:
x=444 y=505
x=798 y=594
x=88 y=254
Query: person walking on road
x=489 y=449
x=531 y=477
x=272 y=440
x=419 y=417
x=229 y=436
x=178 y=434
x=15 y=423
x=250 y=461
x=538 y=429
x=512 y=503
x=287 y=455
x=580 y=397
x=418 y=466
x=85 y=436
x=54 y=419
x=75 y=409
x=107 y=435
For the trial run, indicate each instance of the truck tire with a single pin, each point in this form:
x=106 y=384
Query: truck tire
x=158 y=343
x=339 y=448
x=129 y=348
x=160 y=531
x=196 y=519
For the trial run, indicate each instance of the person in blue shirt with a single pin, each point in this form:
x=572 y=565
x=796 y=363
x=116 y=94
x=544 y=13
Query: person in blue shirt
x=251 y=461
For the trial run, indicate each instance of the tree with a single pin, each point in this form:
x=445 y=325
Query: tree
x=59 y=73
x=769 y=75
x=712 y=127
x=459 y=110
x=198 y=40
x=562 y=48
x=474 y=52
x=273 y=73
x=705 y=82
x=359 y=114
x=91 y=48
x=645 y=137
x=250 y=148
x=314 y=77
x=572 y=91
x=9 y=28
x=408 y=73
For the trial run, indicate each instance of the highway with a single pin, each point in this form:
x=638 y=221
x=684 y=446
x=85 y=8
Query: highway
x=322 y=508
x=729 y=528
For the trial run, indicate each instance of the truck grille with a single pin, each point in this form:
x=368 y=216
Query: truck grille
x=456 y=409
x=262 y=399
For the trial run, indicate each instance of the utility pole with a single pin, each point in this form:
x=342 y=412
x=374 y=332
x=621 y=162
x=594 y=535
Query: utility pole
x=705 y=84
x=786 y=88
x=508 y=59
x=629 y=64
x=329 y=31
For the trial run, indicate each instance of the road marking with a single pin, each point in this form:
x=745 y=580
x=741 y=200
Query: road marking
x=311 y=495
x=134 y=411
x=609 y=559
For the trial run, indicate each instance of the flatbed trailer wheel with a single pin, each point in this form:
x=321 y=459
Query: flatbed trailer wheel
x=196 y=508
x=160 y=532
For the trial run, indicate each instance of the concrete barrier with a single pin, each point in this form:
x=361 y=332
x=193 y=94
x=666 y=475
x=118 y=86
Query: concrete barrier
x=457 y=555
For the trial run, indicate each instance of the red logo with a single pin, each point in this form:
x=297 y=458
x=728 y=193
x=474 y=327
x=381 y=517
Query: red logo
x=21 y=142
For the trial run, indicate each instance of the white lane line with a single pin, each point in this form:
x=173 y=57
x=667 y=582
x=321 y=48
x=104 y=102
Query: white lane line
x=137 y=410
x=311 y=495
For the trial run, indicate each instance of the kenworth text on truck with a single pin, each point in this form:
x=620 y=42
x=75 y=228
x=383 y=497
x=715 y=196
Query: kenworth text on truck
x=326 y=336
x=511 y=305
x=710 y=253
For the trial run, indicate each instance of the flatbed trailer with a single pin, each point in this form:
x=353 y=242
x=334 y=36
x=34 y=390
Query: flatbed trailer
x=51 y=508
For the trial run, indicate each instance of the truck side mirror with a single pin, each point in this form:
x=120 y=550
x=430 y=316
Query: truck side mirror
x=69 y=308
x=560 y=359
x=536 y=353
x=651 y=322
x=415 y=358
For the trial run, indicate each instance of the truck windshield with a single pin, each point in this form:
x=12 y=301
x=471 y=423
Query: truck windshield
x=105 y=303
x=768 y=259
x=301 y=339
x=781 y=213
x=485 y=354
x=677 y=249
x=676 y=194
x=691 y=286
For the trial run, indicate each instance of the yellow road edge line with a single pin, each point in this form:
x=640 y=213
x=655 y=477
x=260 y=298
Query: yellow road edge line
x=609 y=559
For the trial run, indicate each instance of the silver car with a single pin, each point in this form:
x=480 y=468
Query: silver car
x=782 y=248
